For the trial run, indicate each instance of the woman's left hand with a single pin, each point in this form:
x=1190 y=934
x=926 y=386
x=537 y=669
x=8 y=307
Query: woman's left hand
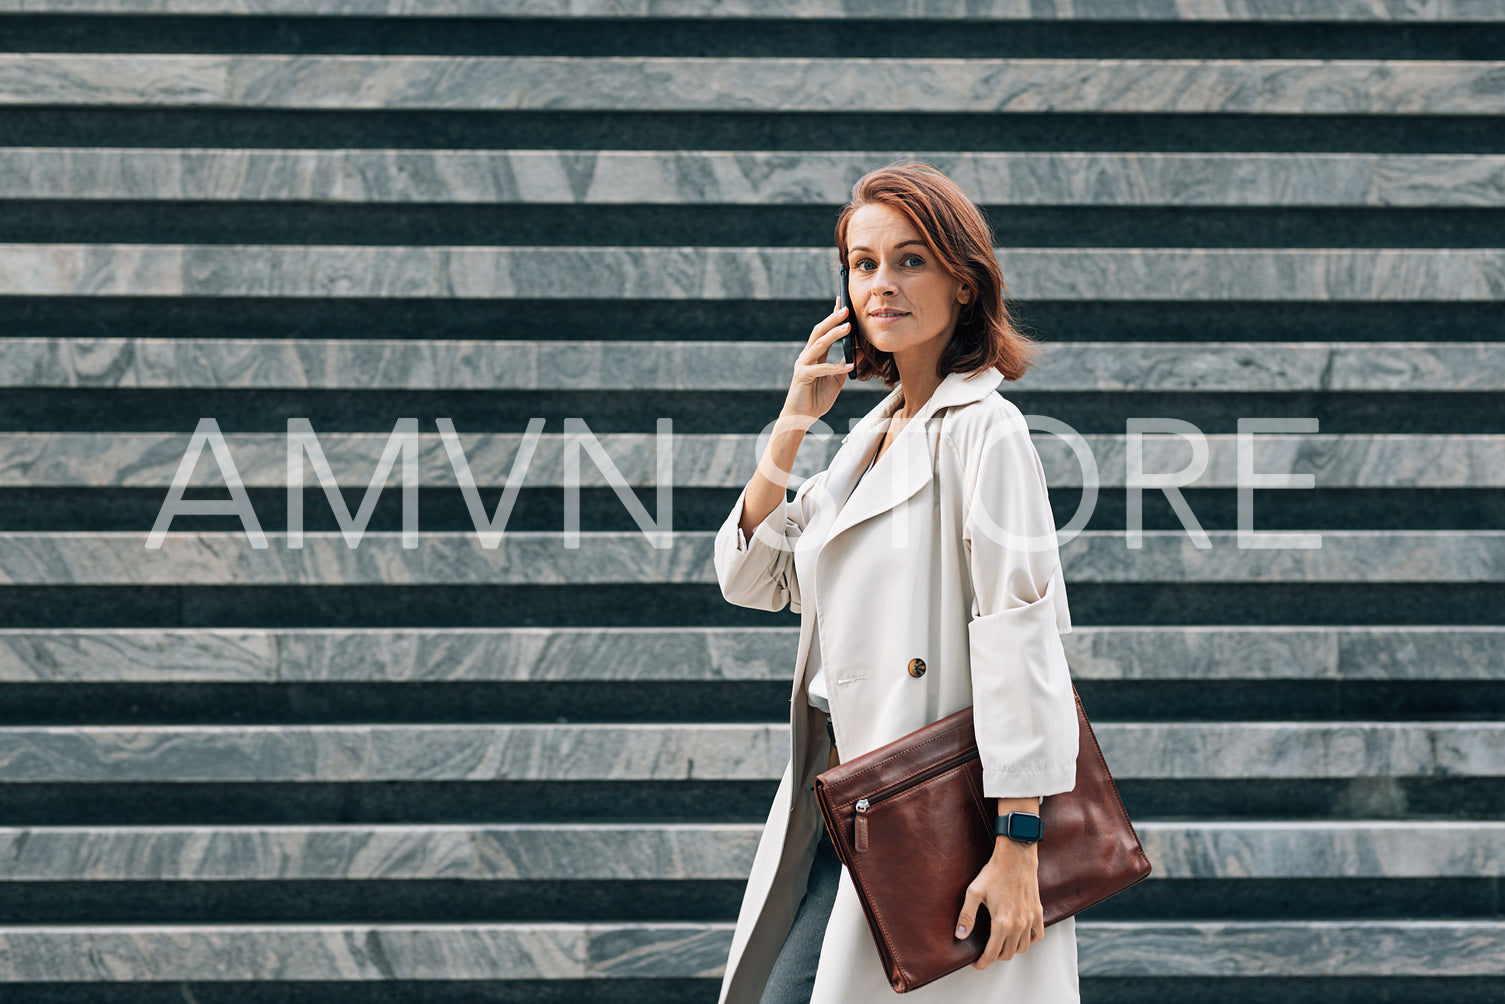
x=1009 y=886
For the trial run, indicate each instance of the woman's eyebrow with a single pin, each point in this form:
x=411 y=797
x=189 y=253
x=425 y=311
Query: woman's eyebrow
x=901 y=244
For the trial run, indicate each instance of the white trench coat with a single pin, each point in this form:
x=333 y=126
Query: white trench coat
x=946 y=552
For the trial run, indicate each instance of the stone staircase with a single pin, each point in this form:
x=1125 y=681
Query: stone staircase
x=536 y=771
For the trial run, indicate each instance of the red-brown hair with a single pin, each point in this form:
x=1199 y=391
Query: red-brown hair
x=959 y=236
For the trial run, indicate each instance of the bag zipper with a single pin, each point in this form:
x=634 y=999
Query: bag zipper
x=859 y=826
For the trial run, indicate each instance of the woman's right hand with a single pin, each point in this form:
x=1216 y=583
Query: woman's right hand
x=816 y=382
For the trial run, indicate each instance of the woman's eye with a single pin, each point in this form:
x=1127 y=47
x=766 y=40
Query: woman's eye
x=907 y=259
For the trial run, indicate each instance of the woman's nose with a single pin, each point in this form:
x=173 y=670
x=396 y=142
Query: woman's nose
x=883 y=280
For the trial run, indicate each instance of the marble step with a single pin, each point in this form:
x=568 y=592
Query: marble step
x=570 y=655
x=598 y=557
x=1359 y=849
x=650 y=83
x=731 y=273
x=562 y=951
x=151 y=460
x=671 y=752
x=696 y=177
x=397 y=364
x=1340 y=11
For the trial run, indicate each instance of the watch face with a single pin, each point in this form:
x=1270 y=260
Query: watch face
x=1024 y=827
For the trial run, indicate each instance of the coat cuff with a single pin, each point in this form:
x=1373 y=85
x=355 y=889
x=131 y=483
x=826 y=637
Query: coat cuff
x=1024 y=712
x=769 y=532
x=758 y=573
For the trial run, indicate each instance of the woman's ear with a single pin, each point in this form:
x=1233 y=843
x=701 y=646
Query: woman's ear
x=964 y=295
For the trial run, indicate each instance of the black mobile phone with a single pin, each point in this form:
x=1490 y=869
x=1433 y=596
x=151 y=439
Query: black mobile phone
x=848 y=341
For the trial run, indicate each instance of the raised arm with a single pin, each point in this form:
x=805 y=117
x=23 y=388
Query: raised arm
x=755 y=545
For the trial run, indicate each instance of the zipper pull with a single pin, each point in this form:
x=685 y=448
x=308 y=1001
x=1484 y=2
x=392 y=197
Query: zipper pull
x=860 y=839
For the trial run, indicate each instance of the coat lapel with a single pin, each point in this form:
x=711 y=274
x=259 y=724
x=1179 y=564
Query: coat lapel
x=909 y=468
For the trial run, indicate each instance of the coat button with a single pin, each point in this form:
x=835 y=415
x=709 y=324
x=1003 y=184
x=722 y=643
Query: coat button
x=917 y=668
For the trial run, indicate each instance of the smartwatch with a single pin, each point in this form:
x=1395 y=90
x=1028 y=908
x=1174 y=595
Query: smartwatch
x=1021 y=826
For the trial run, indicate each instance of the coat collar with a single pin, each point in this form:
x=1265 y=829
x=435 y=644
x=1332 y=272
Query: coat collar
x=908 y=457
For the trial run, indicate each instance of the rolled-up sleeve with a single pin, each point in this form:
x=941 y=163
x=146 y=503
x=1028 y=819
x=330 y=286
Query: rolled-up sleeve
x=1024 y=711
x=759 y=573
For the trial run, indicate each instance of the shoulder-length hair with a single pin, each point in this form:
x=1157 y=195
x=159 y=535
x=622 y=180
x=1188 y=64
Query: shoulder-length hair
x=961 y=240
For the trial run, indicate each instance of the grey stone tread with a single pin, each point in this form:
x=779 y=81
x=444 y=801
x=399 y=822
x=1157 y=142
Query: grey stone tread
x=659 y=83
x=603 y=851
x=401 y=655
x=664 y=752
x=393 y=752
x=78 y=953
x=152 y=459
x=544 y=558
x=734 y=273
x=1381 y=11
x=706 y=366
x=1321 y=849
x=1295 y=948
x=649 y=852
x=555 y=951
x=693 y=177
x=1277 y=652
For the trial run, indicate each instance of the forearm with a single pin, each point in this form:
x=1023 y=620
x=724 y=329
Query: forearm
x=764 y=493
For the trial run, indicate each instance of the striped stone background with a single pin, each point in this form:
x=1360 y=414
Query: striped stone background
x=534 y=772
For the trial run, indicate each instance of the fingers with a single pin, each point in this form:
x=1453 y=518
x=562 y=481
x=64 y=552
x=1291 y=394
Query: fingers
x=814 y=356
x=1003 y=944
x=823 y=368
x=996 y=936
x=832 y=327
x=968 y=918
x=829 y=322
x=969 y=912
x=824 y=342
x=1008 y=937
x=821 y=344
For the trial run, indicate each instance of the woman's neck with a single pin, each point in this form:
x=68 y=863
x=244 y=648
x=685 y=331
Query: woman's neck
x=917 y=377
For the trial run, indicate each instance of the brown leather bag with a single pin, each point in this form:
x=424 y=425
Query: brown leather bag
x=924 y=831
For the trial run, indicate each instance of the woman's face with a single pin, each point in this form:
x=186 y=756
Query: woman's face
x=901 y=295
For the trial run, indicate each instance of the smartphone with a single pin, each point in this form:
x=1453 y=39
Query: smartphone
x=848 y=341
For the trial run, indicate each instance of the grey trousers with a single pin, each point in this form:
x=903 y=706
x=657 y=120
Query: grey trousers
x=793 y=977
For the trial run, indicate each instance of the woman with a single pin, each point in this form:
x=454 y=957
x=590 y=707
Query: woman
x=923 y=565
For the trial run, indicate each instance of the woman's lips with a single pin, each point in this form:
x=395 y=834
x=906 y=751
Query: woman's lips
x=882 y=318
